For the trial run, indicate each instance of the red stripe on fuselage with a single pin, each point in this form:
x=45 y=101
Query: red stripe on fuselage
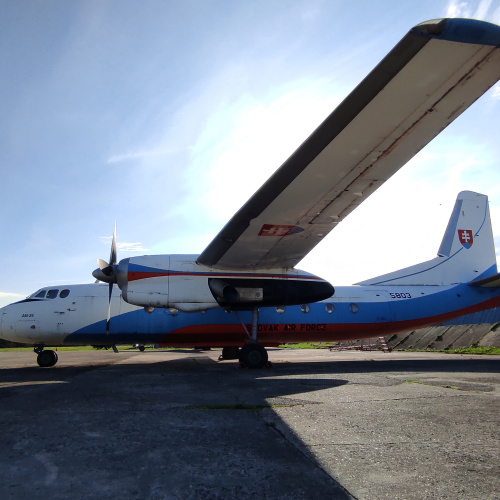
x=142 y=275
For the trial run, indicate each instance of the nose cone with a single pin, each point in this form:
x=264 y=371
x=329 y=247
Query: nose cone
x=98 y=274
x=5 y=331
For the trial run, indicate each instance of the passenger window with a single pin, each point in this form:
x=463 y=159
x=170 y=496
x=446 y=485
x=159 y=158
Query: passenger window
x=354 y=308
x=40 y=294
x=280 y=309
x=52 y=294
x=64 y=293
x=305 y=308
x=329 y=308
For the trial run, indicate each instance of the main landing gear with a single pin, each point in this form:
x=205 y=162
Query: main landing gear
x=253 y=355
x=45 y=358
x=230 y=353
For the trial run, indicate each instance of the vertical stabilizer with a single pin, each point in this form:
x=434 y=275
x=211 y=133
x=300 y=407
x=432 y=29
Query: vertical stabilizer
x=467 y=251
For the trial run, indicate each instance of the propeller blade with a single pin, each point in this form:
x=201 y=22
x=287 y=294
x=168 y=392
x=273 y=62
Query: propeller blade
x=107 y=269
x=112 y=255
x=108 y=320
x=107 y=272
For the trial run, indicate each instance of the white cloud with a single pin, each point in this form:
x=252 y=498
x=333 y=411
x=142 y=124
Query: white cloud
x=131 y=247
x=124 y=247
x=10 y=295
x=7 y=298
x=260 y=137
x=466 y=9
x=138 y=155
x=458 y=9
x=495 y=17
x=482 y=9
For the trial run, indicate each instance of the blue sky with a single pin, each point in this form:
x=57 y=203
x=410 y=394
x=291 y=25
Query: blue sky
x=166 y=116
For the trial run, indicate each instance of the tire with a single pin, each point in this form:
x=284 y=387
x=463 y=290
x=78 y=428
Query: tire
x=230 y=353
x=47 y=358
x=253 y=356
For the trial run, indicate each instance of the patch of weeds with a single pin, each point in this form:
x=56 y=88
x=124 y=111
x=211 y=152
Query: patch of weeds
x=476 y=350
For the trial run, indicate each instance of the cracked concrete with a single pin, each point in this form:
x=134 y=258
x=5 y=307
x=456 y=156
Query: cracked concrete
x=179 y=424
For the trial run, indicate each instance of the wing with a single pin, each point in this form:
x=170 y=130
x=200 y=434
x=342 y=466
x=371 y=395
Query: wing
x=432 y=75
x=491 y=282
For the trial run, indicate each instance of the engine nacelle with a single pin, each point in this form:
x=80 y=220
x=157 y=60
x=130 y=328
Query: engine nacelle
x=178 y=281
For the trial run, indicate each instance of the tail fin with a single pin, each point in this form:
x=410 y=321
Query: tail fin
x=467 y=251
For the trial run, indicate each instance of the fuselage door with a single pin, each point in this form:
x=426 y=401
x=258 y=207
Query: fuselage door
x=383 y=310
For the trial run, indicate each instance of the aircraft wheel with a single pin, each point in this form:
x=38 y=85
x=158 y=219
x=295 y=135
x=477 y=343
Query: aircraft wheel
x=253 y=356
x=47 y=358
x=141 y=348
x=230 y=352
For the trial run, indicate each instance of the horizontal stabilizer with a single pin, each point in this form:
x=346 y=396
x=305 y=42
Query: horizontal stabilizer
x=491 y=282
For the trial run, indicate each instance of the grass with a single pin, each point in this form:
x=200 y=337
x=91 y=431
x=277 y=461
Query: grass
x=465 y=350
x=475 y=350
x=64 y=348
x=302 y=345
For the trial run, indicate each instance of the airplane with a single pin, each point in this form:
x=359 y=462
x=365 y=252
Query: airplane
x=243 y=291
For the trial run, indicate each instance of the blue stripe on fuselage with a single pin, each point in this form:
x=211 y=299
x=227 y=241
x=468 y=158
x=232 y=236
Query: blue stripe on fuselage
x=139 y=326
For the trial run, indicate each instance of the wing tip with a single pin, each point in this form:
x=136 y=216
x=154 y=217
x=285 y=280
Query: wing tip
x=460 y=30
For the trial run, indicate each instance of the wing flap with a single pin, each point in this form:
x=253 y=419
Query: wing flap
x=420 y=87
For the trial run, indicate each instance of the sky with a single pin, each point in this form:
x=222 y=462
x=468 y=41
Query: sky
x=167 y=116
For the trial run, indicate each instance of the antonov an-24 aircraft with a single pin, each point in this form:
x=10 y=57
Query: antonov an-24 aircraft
x=244 y=292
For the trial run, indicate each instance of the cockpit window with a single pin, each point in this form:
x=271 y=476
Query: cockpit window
x=64 y=293
x=52 y=294
x=41 y=294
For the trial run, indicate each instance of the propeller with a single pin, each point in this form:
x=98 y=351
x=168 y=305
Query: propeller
x=107 y=273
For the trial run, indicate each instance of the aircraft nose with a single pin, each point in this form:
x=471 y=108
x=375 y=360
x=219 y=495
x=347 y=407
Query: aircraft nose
x=6 y=330
x=2 y=312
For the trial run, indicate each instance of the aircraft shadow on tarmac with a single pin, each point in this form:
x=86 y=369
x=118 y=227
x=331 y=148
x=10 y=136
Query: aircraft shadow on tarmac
x=25 y=375
x=170 y=395
x=188 y=391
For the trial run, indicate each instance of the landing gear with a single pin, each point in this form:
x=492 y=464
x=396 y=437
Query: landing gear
x=230 y=353
x=253 y=355
x=46 y=358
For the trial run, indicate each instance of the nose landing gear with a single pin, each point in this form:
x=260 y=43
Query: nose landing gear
x=45 y=358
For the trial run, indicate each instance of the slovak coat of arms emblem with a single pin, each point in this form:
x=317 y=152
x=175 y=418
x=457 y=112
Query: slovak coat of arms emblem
x=466 y=237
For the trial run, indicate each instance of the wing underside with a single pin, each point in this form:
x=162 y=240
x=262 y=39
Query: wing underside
x=432 y=75
x=491 y=282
